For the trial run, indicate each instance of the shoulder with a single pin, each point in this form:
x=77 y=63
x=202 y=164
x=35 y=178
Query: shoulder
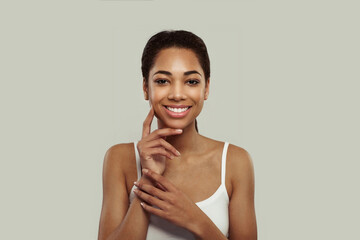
x=120 y=150
x=238 y=156
x=240 y=165
x=118 y=156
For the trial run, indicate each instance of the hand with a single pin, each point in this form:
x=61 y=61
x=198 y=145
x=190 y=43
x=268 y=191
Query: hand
x=152 y=148
x=173 y=205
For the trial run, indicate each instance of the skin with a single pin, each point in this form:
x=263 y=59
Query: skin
x=168 y=176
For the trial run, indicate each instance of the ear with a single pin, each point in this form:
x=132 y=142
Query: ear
x=145 y=89
x=207 y=89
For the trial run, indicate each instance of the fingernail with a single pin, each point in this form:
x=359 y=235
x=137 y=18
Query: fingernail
x=178 y=130
x=135 y=190
x=136 y=183
x=178 y=153
x=142 y=204
x=145 y=170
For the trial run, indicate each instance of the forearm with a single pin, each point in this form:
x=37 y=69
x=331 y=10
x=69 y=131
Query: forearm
x=206 y=229
x=135 y=223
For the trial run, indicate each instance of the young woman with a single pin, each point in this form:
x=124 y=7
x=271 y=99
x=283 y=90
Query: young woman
x=175 y=183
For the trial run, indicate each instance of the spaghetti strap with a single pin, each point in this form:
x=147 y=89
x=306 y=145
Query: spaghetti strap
x=223 y=163
x=138 y=165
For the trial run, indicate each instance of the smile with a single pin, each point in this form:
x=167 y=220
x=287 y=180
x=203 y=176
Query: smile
x=177 y=111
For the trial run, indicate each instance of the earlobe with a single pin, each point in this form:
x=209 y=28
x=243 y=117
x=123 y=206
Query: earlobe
x=145 y=89
x=207 y=89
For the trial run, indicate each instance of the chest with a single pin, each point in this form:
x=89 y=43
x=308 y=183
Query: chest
x=197 y=179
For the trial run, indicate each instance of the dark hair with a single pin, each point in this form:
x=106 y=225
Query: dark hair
x=178 y=39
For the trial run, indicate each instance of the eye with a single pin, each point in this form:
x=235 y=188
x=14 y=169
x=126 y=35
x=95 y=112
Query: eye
x=193 y=81
x=161 y=81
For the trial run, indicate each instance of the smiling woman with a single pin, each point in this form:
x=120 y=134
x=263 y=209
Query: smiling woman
x=175 y=183
x=176 y=95
x=181 y=40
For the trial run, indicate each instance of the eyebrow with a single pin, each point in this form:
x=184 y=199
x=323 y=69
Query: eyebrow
x=185 y=73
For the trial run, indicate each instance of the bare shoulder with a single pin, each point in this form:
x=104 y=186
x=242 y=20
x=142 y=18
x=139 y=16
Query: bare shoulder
x=238 y=157
x=240 y=167
x=119 y=151
x=119 y=157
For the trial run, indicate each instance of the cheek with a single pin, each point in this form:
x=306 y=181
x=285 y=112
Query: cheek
x=197 y=95
x=155 y=95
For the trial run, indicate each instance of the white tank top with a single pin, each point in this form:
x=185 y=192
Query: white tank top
x=216 y=207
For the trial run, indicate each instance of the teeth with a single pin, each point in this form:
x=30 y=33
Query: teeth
x=177 y=110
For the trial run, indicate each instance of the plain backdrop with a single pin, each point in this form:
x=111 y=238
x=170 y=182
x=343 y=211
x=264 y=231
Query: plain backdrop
x=284 y=86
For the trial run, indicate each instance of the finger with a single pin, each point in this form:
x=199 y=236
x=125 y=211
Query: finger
x=163 y=132
x=158 y=185
x=147 y=123
x=156 y=192
x=159 y=179
x=160 y=151
x=153 y=210
x=149 y=199
x=162 y=143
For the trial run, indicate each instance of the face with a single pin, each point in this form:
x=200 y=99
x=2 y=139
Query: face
x=176 y=88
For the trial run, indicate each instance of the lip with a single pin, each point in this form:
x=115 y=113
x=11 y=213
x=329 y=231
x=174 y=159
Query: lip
x=175 y=114
x=178 y=106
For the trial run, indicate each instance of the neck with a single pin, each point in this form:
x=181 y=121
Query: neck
x=186 y=142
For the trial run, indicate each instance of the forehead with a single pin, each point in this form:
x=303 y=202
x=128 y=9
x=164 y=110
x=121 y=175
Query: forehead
x=176 y=59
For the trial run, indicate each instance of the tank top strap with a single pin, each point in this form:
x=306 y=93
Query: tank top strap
x=138 y=164
x=223 y=163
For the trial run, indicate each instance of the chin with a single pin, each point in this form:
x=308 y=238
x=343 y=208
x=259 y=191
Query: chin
x=176 y=124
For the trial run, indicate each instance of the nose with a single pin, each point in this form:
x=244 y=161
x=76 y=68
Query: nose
x=177 y=92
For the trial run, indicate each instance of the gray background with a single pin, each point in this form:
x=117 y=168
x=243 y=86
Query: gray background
x=284 y=86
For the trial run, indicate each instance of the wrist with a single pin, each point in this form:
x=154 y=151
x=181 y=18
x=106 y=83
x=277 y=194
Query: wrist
x=198 y=226
x=204 y=228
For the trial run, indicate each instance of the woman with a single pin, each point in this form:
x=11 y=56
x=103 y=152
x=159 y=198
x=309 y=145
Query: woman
x=175 y=183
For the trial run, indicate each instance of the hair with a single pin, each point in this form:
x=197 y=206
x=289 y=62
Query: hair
x=179 y=39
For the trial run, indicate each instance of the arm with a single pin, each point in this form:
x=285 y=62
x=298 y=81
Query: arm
x=176 y=207
x=206 y=229
x=241 y=208
x=118 y=219
x=242 y=218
